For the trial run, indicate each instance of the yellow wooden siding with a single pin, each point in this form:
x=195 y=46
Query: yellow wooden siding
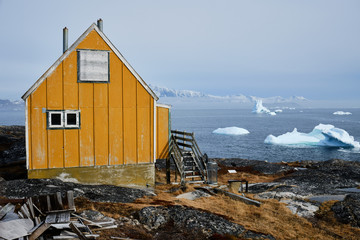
x=162 y=132
x=152 y=131
x=55 y=148
x=71 y=148
x=54 y=96
x=143 y=124
x=116 y=136
x=71 y=87
x=116 y=118
x=129 y=111
x=38 y=133
x=87 y=137
x=28 y=123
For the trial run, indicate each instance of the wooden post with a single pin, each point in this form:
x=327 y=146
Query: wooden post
x=168 y=170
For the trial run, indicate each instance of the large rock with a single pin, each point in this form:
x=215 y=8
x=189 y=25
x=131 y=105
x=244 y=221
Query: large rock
x=180 y=218
x=348 y=211
x=324 y=177
x=255 y=166
x=101 y=193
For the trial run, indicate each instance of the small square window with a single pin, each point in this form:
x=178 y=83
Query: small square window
x=55 y=119
x=72 y=119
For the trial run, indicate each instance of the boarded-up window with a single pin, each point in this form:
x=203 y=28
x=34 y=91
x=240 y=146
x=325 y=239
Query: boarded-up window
x=93 y=66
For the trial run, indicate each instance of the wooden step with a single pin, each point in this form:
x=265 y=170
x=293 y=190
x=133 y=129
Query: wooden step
x=193 y=176
x=197 y=181
x=191 y=171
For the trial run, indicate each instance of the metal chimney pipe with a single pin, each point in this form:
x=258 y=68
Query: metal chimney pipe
x=65 y=39
x=100 y=24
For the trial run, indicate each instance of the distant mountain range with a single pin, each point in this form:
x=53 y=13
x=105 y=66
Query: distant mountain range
x=194 y=99
x=8 y=105
x=189 y=98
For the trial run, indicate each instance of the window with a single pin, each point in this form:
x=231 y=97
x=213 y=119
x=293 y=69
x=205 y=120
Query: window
x=93 y=66
x=72 y=119
x=55 y=119
x=67 y=119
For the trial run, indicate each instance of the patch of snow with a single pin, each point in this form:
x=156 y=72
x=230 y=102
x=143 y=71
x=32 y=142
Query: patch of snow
x=259 y=108
x=342 y=113
x=231 y=131
x=65 y=177
x=322 y=135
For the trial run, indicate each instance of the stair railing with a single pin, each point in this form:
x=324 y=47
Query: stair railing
x=176 y=155
x=188 y=143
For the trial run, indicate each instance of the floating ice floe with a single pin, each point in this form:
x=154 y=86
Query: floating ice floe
x=259 y=108
x=322 y=135
x=342 y=113
x=278 y=111
x=231 y=131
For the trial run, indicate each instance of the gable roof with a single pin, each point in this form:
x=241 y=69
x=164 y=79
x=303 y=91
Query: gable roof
x=73 y=47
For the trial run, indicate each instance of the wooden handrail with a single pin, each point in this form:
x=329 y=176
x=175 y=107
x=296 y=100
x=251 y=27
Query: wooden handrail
x=186 y=141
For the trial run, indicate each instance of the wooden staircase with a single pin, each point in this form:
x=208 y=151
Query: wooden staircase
x=189 y=161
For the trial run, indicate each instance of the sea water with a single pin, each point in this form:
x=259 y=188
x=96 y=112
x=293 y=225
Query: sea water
x=251 y=146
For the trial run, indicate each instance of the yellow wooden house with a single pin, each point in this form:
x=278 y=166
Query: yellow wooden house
x=91 y=117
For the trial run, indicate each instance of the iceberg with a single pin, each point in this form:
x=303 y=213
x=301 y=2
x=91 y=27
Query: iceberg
x=278 y=111
x=231 y=131
x=259 y=108
x=322 y=135
x=342 y=113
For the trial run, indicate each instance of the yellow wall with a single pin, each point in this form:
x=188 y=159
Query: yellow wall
x=116 y=125
x=162 y=132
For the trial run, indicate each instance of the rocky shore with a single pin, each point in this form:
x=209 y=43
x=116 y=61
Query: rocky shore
x=299 y=200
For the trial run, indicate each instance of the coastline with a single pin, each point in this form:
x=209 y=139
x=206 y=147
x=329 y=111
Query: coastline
x=306 y=199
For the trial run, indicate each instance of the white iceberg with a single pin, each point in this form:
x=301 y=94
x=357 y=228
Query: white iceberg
x=259 y=108
x=278 y=111
x=231 y=131
x=342 y=113
x=322 y=135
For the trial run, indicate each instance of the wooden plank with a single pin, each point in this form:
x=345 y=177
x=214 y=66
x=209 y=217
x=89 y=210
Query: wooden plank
x=30 y=205
x=63 y=217
x=40 y=229
x=25 y=211
x=51 y=218
x=70 y=200
x=77 y=231
x=6 y=201
x=48 y=201
x=15 y=228
x=87 y=220
x=181 y=133
x=184 y=144
x=59 y=202
x=66 y=225
x=107 y=227
x=238 y=197
x=182 y=139
x=7 y=208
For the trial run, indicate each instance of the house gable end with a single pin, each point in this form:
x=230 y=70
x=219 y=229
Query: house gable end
x=81 y=43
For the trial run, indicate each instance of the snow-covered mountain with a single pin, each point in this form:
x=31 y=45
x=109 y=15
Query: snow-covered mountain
x=188 y=97
x=167 y=92
x=8 y=105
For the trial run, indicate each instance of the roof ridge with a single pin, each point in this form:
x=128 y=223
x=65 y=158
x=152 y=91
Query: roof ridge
x=93 y=26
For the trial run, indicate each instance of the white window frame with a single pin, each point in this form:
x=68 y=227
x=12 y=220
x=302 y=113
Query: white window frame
x=77 y=125
x=94 y=67
x=50 y=113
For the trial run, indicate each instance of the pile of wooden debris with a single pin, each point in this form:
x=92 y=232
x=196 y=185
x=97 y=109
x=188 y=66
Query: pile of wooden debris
x=47 y=217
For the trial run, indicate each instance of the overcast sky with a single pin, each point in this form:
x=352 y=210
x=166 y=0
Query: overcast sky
x=262 y=48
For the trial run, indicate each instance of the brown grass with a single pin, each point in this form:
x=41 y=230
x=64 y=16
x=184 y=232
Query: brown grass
x=272 y=217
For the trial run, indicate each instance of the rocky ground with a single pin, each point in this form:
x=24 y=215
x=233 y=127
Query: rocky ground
x=299 y=200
